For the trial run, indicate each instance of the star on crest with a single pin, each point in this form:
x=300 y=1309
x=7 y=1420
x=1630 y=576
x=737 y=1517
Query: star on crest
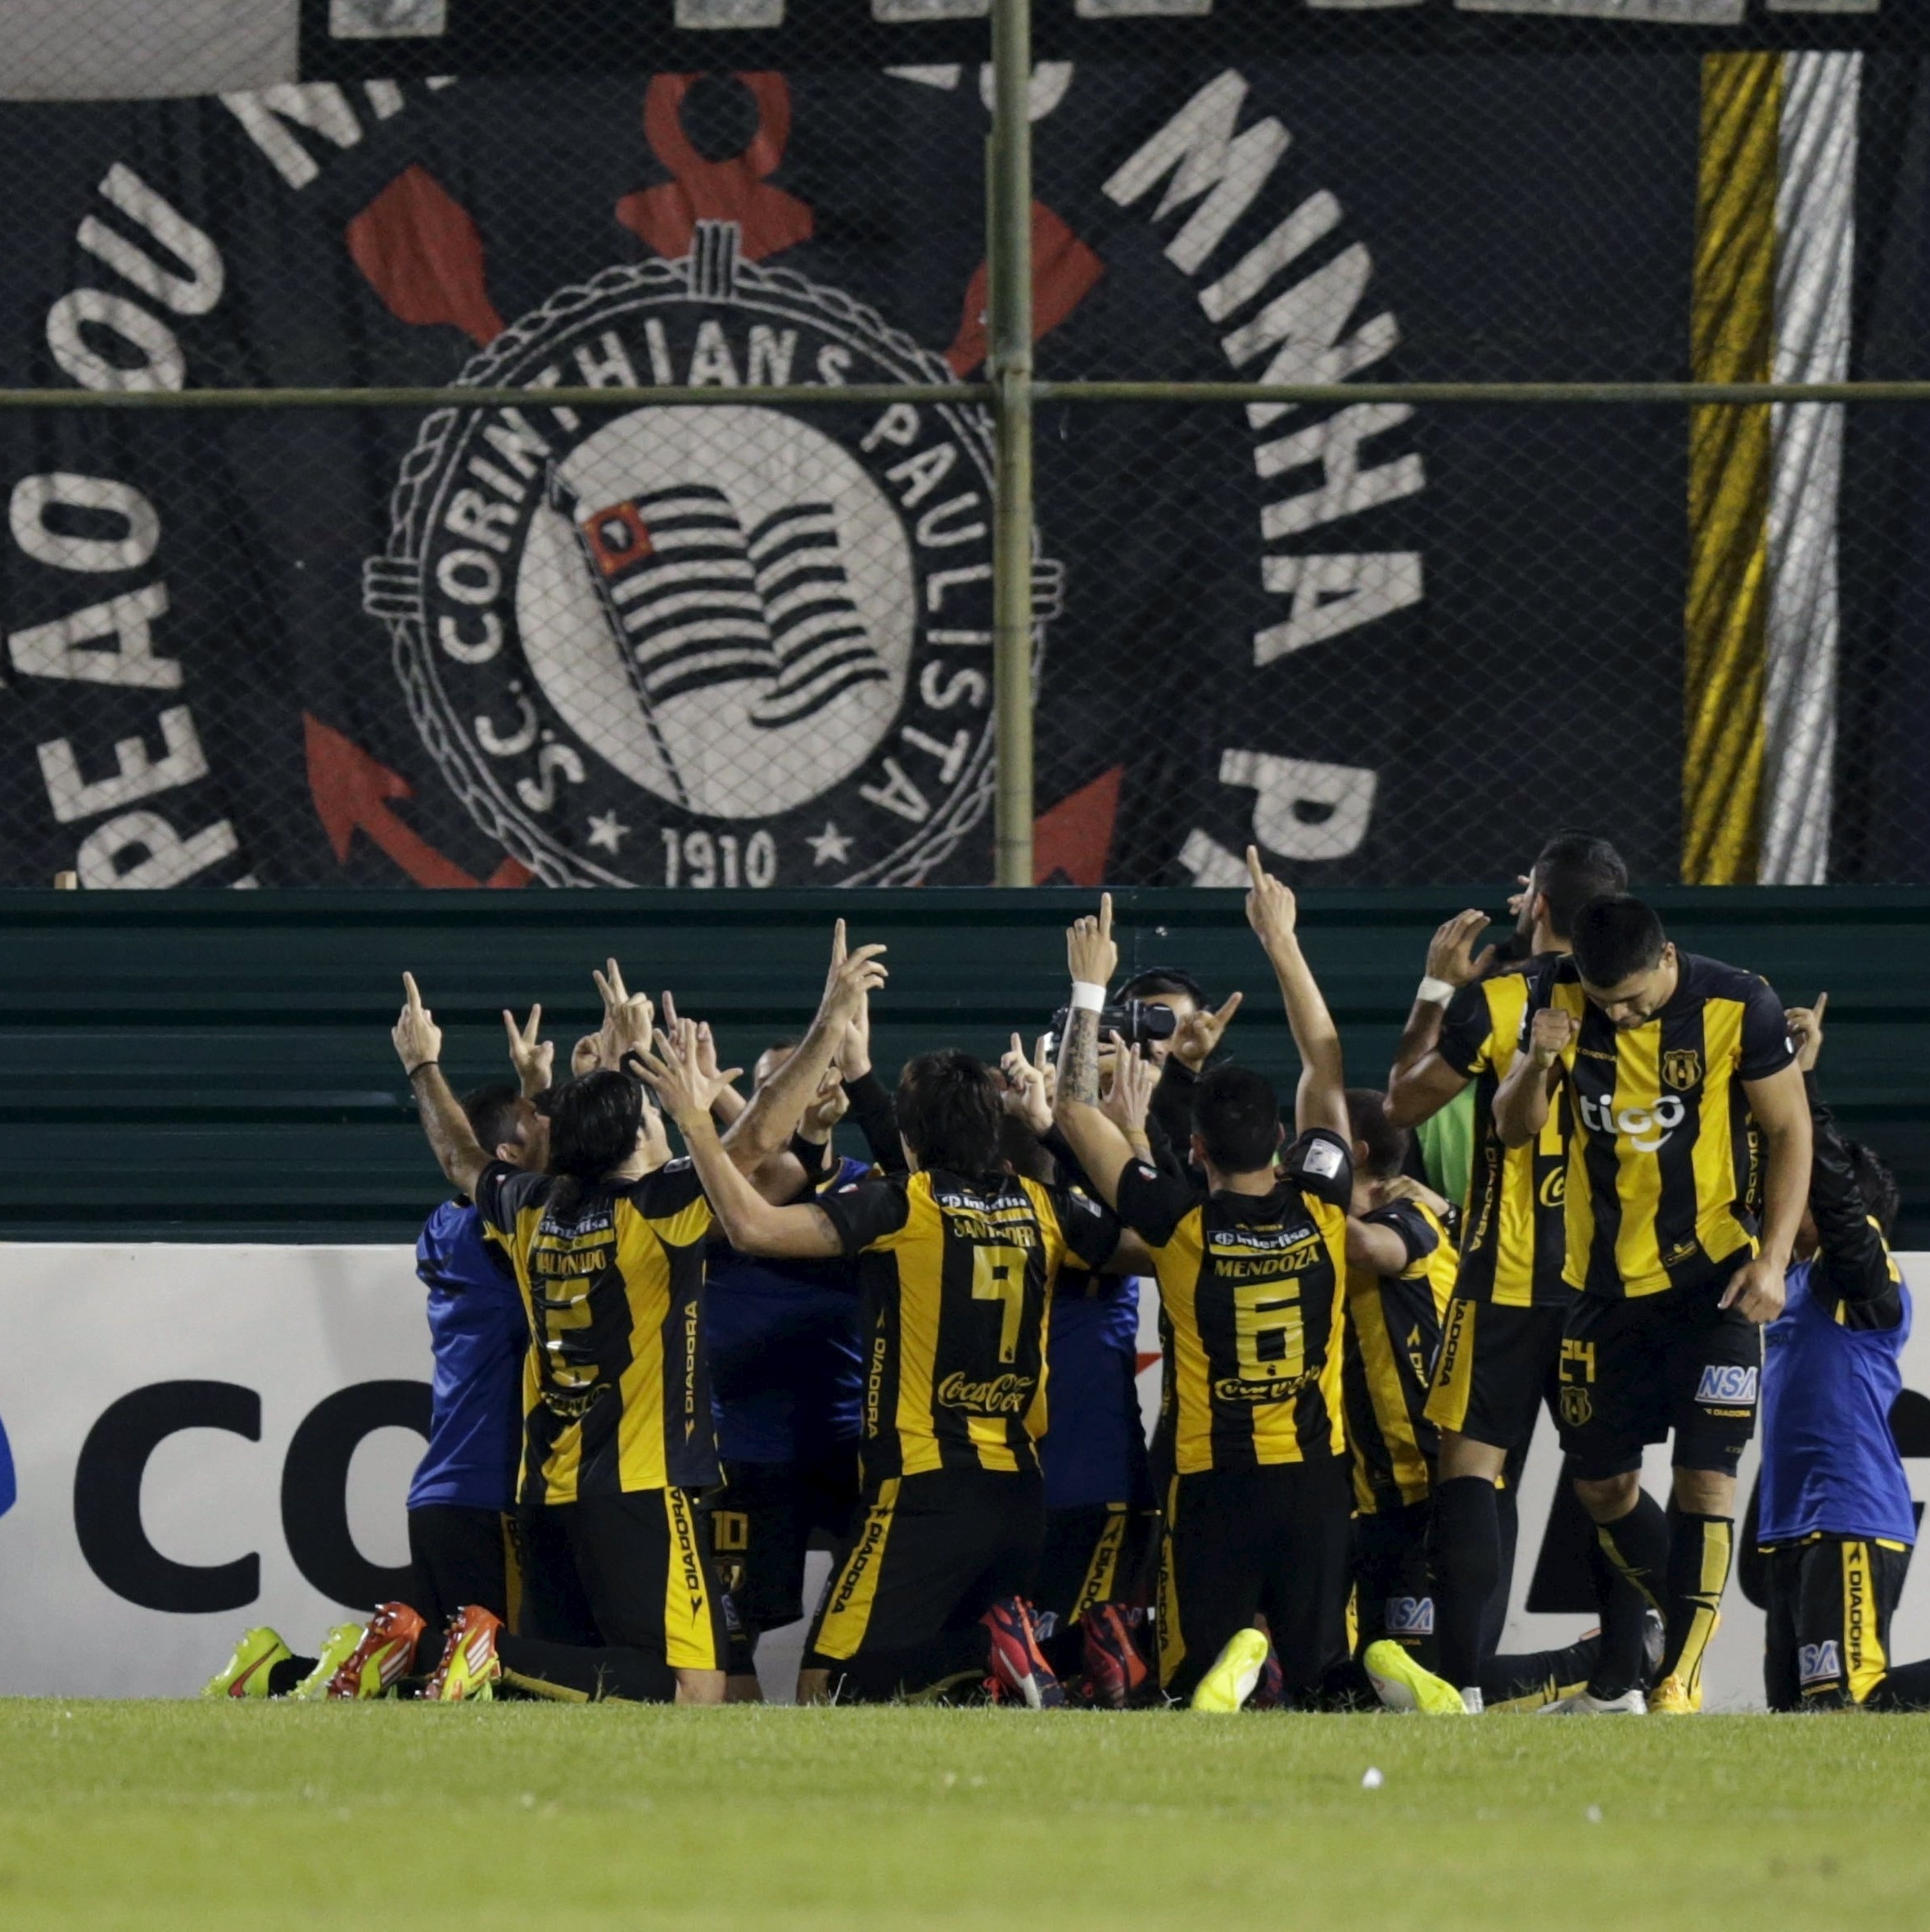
x=830 y=847
x=608 y=831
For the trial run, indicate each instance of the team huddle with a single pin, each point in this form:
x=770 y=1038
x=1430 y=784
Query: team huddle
x=1598 y=1177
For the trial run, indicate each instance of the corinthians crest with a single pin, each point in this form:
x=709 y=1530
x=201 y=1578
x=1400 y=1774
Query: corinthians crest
x=729 y=645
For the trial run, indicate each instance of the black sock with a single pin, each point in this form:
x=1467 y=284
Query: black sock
x=952 y=1664
x=1507 y=1510
x=283 y=1677
x=1638 y=1545
x=1907 y=1688
x=579 y=1673
x=1541 y=1675
x=1700 y=1551
x=1467 y=1564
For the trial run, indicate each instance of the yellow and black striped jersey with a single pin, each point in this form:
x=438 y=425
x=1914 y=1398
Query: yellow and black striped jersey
x=1250 y=1308
x=1660 y=1159
x=615 y=1394
x=1512 y=1241
x=957 y=1281
x=1394 y=1334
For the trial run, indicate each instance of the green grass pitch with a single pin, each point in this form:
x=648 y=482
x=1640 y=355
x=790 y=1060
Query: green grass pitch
x=525 y=1816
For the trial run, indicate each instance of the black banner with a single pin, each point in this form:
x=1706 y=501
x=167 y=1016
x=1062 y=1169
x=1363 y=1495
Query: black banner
x=360 y=39
x=739 y=645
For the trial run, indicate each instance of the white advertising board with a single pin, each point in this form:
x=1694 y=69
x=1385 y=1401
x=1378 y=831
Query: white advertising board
x=206 y=1437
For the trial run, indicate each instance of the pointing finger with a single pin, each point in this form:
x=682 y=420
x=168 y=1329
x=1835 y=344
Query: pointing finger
x=415 y=998
x=1255 y=870
x=1105 y=916
x=1228 y=1010
x=1822 y=1006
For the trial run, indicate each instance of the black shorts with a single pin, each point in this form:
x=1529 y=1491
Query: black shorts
x=459 y=1556
x=628 y=1571
x=1093 y=1554
x=1830 y=1600
x=761 y=1525
x=1638 y=1370
x=1496 y=1367
x=1240 y=1544
x=931 y=1552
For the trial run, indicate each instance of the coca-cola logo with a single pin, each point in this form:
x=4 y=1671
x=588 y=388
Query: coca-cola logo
x=998 y=1394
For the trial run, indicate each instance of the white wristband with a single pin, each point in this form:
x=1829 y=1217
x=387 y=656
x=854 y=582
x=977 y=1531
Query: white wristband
x=1087 y=998
x=1434 y=993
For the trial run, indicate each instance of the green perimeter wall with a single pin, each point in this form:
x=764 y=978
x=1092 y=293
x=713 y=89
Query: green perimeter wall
x=192 y=1066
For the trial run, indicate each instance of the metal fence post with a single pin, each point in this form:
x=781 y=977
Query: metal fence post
x=1009 y=256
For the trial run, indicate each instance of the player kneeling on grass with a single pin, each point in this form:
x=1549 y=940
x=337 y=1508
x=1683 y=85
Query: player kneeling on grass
x=957 y=1259
x=1836 y=1522
x=1250 y=1267
x=465 y=1485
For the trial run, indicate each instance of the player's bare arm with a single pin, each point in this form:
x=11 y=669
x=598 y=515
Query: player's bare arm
x=1103 y=1151
x=1521 y=1102
x=1782 y=1111
x=765 y=1126
x=418 y=1046
x=1420 y=1082
x=1375 y=1249
x=752 y=1225
x=1273 y=913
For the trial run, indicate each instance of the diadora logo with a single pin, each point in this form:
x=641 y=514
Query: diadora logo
x=1646 y=1129
x=9 y=1490
x=1410 y=1616
x=1729 y=1385
x=1819 y=1663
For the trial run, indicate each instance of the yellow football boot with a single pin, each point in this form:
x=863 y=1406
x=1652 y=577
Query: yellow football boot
x=1402 y=1683
x=246 y=1673
x=1235 y=1671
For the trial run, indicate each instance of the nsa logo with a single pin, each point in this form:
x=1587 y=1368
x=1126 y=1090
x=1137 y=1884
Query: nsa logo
x=1729 y=1387
x=1410 y=1616
x=1819 y=1663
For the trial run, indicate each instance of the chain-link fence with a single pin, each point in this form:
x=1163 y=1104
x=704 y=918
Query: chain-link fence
x=738 y=630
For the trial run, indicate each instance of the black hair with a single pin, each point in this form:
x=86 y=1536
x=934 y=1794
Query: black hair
x=1236 y=1116
x=1152 y=981
x=949 y=1114
x=1617 y=937
x=1875 y=1183
x=1572 y=869
x=1367 y=1121
x=491 y=1112
x=593 y=1129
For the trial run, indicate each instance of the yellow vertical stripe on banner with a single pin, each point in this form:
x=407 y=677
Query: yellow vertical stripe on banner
x=1732 y=340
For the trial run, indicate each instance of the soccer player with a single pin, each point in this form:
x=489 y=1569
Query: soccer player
x=957 y=1263
x=619 y=1595
x=1835 y=1520
x=787 y=1380
x=1501 y=1354
x=1401 y=1264
x=1182 y=1057
x=1666 y=1059
x=465 y=1484
x=1250 y=1265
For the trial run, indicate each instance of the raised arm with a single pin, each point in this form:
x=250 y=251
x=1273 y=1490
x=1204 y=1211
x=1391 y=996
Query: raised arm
x=1101 y=1149
x=1273 y=914
x=751 y=1224
x=1782 y=1111
x=1853 y=1259
x=418 y=1046
x=1522 y=1100
x=765 y=1126
x=1421 y=1082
